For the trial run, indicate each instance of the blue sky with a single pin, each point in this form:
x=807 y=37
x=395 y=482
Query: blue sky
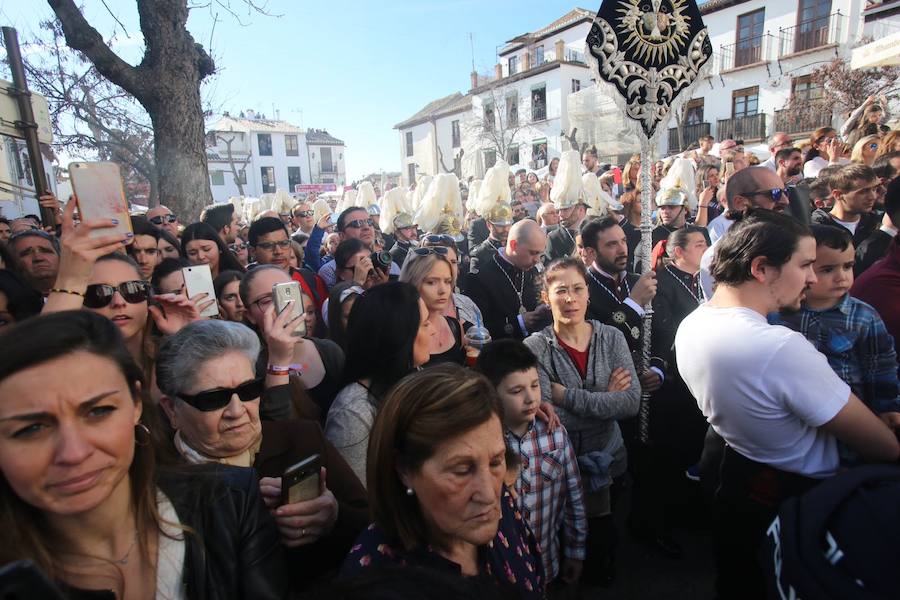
x=355 y=68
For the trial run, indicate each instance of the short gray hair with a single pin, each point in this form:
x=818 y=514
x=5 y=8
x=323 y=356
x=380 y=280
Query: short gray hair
x=182 y=354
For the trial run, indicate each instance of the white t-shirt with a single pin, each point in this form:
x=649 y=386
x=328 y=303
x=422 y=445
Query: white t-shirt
x=848 y=225
x=764 y=388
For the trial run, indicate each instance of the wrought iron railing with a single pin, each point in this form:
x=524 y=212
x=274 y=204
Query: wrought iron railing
x=747 y=51
x=803 y=117
x=690 y=133
x=811 y=34
x=751 y=127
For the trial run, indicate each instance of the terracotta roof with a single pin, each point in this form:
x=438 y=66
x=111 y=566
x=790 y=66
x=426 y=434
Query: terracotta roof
x=320 y=137
x=453 y=103
x=570 y=18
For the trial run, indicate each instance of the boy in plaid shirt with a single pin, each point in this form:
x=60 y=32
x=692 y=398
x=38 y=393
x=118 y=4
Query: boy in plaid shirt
x=849 y=332
x=548 y=486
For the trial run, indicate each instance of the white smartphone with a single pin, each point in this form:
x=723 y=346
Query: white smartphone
x=101 y=195
x=289 y=294
x=197 y=280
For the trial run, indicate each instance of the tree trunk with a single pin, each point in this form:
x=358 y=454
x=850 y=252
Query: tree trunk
x=167 y=84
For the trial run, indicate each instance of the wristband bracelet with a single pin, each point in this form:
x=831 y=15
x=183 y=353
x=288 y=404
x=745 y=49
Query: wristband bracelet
x=65 y=291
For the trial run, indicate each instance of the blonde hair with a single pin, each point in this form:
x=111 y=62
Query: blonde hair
x=416 y=267
x=856 y=156
x=890 y=139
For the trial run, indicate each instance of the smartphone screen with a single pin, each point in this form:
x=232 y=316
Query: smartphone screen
x=197 y=280
x=100 y=194
x=289 y=294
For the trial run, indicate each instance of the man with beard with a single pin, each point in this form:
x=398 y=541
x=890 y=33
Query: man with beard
x=499 y=219
x=789 y=167
x=776 y=408
x=618 y=297
x=854 y=189
x=590 y=162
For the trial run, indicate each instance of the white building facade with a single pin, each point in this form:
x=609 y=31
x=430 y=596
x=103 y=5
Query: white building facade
x=764 y=54
x=269 y=155
x=518 y=111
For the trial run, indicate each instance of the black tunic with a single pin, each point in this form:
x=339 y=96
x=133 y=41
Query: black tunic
x=399 y=251
x=607 y=305
x=872 y=249
x=632 y=238
x=560 y=243
x=478 y=232
x=482 y=254
x=491 y=290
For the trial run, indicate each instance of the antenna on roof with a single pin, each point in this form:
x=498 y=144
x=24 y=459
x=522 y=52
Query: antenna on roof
x=472 y=48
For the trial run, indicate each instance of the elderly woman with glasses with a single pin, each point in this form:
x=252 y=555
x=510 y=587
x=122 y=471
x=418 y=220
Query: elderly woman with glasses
x=428 y=270
x=212 y=395
x=461 y=307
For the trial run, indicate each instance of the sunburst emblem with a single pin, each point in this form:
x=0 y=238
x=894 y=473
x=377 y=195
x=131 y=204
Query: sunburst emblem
x=657 y=30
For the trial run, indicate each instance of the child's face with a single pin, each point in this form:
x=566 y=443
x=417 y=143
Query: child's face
x=834 y=271
x=521 y=396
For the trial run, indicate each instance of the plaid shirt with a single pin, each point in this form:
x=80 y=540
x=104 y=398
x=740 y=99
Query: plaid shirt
x=550 y=494
x=858 y=347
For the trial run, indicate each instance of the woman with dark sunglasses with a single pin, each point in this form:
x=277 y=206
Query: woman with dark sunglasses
x=212 y=396
x=81 y=496
x=94 y=276
x=461 y=307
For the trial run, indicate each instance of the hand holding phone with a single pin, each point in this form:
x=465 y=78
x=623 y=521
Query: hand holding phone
x=198 y=280
x=286 y=295
x=100 y=195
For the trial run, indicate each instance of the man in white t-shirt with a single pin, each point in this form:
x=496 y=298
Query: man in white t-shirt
x=772 y=398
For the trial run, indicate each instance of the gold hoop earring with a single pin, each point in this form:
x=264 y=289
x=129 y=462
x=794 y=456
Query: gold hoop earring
x=140 y=427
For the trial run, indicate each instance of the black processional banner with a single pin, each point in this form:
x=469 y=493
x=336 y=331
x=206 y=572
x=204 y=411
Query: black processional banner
x=650 y=51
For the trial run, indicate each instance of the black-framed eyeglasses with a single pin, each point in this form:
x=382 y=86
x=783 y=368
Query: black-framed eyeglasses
x=215 y=399
x=304 y=213
x=439 y=250
x=776 y=194
x=160 y=219
x=359 y=223
x=263 y=302
x=237 y=247
x=98 y=295
x=269 y=246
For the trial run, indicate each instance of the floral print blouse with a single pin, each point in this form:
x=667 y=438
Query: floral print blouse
x=512 y=558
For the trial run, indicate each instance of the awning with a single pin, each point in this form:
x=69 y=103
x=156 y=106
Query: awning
x=880 y=53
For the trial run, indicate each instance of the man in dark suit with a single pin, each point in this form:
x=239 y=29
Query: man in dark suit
x=499 y=220
x=506 y=287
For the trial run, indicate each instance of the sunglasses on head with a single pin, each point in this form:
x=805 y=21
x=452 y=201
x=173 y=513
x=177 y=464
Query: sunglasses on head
x=443 y=239
x=210 y=400
x=160 y=219
x=359 y=223
x=439 y=250
x=99 y=295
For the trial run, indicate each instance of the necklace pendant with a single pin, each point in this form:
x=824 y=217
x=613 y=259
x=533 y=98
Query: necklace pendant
x=522 y=310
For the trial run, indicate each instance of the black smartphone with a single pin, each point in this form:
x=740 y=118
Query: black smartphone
x=300 y=482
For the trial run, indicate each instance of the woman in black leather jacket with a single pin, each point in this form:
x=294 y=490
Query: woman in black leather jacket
x=80 y=496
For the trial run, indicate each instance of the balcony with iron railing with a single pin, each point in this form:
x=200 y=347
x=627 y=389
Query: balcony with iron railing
x=803 y=117
x=746 y=52
x=816 y=33
x=751 y=127
x=690 y=133
x=575 y=56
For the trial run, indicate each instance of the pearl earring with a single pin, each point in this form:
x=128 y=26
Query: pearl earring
x=410 y=491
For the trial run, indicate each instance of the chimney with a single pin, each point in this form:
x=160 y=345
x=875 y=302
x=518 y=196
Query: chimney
x=474 y=76
x=560 y=50
x=498 y=71
x=527 y=61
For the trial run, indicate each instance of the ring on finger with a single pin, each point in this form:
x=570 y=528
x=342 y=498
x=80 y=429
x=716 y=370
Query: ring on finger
x=303 y=532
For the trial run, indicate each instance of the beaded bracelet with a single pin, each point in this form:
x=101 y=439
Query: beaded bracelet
x=65 y=291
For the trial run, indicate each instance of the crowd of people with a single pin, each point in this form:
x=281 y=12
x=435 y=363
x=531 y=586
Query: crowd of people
x=470 y=404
